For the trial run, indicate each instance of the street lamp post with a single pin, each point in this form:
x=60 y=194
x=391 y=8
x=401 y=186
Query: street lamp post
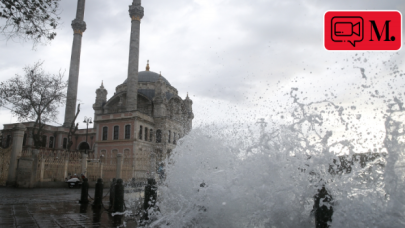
x=87 y=121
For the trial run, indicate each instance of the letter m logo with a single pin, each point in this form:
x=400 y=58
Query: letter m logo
x=377 y=33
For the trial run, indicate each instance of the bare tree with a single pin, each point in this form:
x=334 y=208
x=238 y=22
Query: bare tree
x=34 y=20
x=35 y=97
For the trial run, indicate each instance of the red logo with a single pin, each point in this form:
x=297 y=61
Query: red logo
x=363 y=30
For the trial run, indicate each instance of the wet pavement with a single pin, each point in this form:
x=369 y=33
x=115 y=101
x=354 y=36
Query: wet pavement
x=55 y=207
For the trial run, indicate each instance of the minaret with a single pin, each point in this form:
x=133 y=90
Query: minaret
x=79 y=26
x=101 y=99
x=136 y=14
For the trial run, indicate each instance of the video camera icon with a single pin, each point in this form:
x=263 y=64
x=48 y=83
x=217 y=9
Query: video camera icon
x=345 y=28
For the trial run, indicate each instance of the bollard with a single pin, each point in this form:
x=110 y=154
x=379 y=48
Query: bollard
x=323 y=214
x=117 y=220
x=83 y=208
x=84 y=199
x=150 y=199
x=97 y=211
x=150 y=194
x=112 y=190
x=119 y=196
x=98 y=193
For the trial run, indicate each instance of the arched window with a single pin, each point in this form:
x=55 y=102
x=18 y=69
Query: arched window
x=158 y=136
x=51 y=139
x=116 y=131
x=105 y=133
x=174 y=137
x=64 y=143
x=150 y=135
x=146 y=134
x=84 y=146
x=127 y=131
x=140 y=132
x=169 y=136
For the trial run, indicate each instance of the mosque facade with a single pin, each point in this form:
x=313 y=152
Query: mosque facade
x=151 y=131
x=144 y=118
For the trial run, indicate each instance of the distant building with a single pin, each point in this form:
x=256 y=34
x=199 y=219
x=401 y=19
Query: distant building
x=143 y=119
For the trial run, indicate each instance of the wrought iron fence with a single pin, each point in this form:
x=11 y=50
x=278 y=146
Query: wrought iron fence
x=57 y=165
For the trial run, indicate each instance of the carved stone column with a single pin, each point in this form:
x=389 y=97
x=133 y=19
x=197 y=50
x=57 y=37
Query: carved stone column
x=78 y=26
x=18 y=136
x=65 y=168
x=136 y=14
x=84 y=164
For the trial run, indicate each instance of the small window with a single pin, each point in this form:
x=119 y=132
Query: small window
x=51 y=139
x=105 y=133
x=150 y=135
x=169 y=137
x=174 y=137
x=158 y=136
x=146 y=134
x=140 y=132
x=127 y=131
x=64 y=143
x=116 y=130
x=43 y=141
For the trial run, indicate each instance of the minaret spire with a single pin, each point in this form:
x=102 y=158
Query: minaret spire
x=147 y=66
x=136 y=14
x=78 y=26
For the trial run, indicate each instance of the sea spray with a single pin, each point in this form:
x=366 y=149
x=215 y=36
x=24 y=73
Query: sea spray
x=267 y=174
x=271 y=182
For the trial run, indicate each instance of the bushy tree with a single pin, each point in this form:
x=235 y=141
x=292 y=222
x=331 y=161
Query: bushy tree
x=34 y=20
x=34 y=97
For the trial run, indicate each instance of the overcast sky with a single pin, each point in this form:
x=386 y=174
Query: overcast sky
x=236 y=59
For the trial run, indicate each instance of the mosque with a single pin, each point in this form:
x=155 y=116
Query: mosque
x=143 y=119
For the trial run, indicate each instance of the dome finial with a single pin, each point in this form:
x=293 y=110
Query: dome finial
x=187 y=94
x=147 y=66
x=102 y=86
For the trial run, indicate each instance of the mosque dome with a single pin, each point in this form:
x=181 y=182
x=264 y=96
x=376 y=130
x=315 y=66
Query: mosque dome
x=149 y=76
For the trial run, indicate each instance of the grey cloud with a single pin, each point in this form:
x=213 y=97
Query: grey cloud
x=236 y=50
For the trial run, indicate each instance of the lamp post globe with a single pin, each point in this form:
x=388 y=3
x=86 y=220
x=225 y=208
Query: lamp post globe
x=87 y=121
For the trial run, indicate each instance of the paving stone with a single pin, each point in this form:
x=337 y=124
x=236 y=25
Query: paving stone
x=50 y=208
